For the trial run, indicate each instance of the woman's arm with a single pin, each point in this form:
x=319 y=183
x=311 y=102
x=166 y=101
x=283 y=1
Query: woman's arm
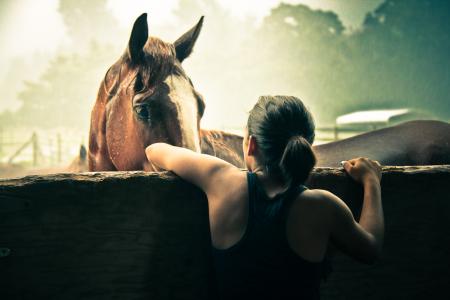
x=201 y=170
x=362 y=240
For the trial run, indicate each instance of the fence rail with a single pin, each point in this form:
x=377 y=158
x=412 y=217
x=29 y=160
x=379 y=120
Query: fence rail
x=38 y=148
x=138 y=235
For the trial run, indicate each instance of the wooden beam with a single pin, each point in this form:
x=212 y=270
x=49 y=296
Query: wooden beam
x=145 y=235
x=416 y=253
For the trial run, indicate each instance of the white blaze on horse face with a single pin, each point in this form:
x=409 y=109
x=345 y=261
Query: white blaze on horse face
x=181 y=94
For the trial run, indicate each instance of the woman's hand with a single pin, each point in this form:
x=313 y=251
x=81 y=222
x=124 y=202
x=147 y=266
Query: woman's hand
x=363 y=241
x=363 y=170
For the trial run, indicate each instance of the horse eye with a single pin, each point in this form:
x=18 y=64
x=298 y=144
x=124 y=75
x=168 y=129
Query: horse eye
x=142 y=112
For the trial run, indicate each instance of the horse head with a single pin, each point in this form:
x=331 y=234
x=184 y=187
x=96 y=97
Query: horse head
x=145 y=97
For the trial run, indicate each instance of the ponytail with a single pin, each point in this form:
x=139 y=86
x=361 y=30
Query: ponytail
x=297 y=161
x=284 y=131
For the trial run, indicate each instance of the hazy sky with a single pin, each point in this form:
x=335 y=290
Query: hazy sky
x=30 y=26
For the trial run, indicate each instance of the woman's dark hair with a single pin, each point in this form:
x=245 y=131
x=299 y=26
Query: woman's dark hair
x=284 y=131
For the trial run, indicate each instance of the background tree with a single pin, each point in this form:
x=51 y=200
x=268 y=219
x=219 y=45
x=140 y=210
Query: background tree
x=401 y=57
x=64 y=93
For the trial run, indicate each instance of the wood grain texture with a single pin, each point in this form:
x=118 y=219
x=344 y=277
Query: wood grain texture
x=137 y=235
x=104 y=236
x=416 y=254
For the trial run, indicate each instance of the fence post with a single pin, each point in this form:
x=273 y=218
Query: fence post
x=336 y=133
x=59 y=145
x=1 y=143
x=34 y=145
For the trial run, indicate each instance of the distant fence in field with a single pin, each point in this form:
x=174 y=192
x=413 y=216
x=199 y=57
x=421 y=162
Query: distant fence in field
x=38 y=148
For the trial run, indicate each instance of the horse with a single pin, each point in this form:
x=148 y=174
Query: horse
x=146 y=97
x=420 y=142
x=224 y=145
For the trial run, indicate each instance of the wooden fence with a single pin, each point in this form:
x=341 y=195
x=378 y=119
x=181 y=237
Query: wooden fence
x=37 y=148
x=136 y=235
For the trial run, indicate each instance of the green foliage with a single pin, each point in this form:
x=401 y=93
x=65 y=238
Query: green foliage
x=400 y=58
x=88 y=20
x=403 y=56
x=65 y=92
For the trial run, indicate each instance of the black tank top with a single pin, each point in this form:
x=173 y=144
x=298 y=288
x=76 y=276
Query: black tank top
x=262 y=265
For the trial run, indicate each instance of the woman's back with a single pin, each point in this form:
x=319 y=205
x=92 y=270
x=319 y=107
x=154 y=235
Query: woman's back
x=261 y=264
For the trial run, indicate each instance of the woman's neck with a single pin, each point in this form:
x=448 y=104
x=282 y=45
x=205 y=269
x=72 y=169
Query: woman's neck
x=271 y=184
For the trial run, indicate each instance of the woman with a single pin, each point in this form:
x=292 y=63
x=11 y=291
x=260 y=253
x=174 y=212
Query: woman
x=269 y=232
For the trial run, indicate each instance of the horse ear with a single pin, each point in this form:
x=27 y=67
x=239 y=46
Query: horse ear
x=185 y=44
x=138 y=38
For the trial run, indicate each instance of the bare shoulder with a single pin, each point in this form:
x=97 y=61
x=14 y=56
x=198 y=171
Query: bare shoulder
x=229 y=183
x=318 y=202
x=309 y=223
x=235 y=175
x=316 y=197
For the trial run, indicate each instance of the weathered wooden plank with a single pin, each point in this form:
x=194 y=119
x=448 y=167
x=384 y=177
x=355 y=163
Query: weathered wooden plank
x=136 y=235
x=416 y=253
x=103 y=236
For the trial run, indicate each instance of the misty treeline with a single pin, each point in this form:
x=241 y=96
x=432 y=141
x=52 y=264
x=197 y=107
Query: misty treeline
x=398 y=58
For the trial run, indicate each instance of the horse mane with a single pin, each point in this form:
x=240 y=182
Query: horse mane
x=224 y=145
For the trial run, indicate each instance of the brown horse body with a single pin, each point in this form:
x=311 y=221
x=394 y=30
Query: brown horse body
x=408 y=144
x=224 y=145
x=146 y=97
